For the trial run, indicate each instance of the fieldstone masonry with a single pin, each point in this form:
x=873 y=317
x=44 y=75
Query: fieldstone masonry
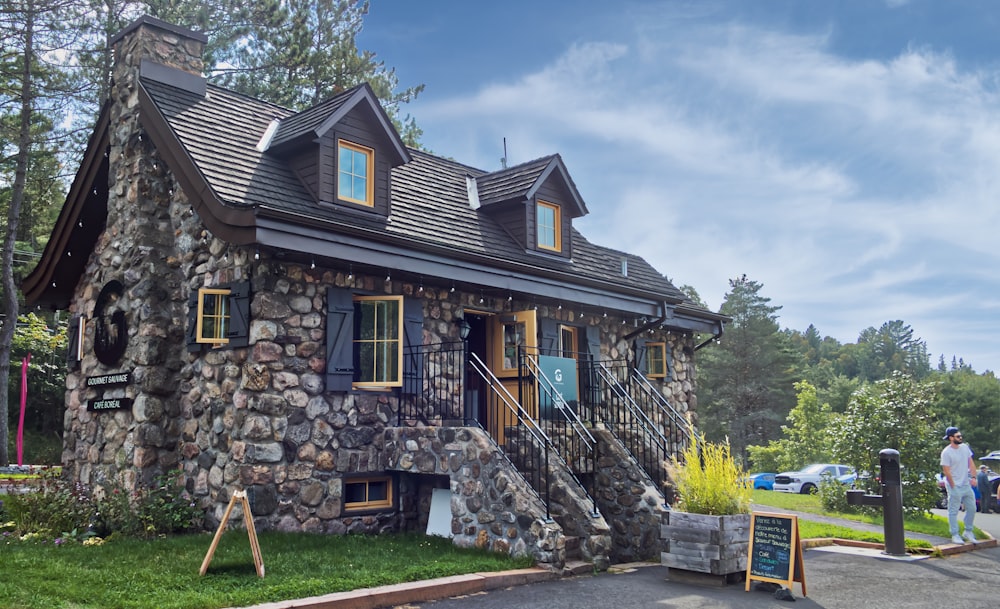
x=259 y=417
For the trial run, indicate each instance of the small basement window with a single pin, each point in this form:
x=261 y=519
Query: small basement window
x=368 y=494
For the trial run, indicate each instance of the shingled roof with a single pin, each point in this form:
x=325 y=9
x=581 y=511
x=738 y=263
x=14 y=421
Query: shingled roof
x=249 y=196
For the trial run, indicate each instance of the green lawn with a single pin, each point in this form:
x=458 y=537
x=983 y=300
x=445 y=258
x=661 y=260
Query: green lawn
x=930 y=524
x=163 y=573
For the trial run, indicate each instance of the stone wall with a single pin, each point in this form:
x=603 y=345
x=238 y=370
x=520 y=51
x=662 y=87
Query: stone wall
x=492 y=507
x=630 y=503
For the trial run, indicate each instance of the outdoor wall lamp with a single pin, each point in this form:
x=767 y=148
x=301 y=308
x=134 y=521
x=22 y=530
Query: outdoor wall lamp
x=463 y=327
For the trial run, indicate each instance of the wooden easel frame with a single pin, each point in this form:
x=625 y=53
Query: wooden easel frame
x=796 y=566
x=258 y=560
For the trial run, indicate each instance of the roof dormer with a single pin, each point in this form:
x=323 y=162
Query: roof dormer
x=535 y=202
x=342 y=150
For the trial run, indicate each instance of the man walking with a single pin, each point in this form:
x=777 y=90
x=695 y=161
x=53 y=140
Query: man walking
x=959 y=478
x=985 y=496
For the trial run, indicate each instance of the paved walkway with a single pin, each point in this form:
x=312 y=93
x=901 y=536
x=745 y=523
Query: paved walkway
x=836 y=577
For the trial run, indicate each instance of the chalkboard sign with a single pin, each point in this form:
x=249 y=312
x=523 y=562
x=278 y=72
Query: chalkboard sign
x=775 y=554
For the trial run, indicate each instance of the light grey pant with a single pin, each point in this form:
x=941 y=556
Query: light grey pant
x=965 y=497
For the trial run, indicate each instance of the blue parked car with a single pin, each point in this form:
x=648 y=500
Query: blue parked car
x=762 y=480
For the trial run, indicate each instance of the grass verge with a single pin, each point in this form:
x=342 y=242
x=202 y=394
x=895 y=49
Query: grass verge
x=163 y=573
x=930 y=524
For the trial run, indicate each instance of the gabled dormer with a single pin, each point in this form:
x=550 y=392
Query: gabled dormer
x=342 y=150
x=535 y=202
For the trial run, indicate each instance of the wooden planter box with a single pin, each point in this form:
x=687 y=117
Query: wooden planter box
x=705 y=544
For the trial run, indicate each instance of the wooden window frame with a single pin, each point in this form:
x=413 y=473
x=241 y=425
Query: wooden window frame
x=222 y=319
x=556 y=228
x=369 y=153
x=651 y=361
x=399 y=340
x=368 y=504
x=574 y=350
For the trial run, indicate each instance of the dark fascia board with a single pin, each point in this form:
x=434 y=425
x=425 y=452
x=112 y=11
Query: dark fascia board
x=307 y=237
x=557 y=165
x=365 y=94
x=474 y=276
x=232 y=224
x=36 y=283
x=691 y=323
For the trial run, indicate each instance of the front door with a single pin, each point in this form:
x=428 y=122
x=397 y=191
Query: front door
x=510 y=335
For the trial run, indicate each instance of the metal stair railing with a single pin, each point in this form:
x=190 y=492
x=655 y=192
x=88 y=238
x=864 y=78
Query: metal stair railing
x=676 y=422
x=637 y=432
x=576 y=446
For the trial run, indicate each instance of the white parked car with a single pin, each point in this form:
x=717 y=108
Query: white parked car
x=808 y=478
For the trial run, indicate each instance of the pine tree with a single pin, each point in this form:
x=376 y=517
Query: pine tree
x=747 y=380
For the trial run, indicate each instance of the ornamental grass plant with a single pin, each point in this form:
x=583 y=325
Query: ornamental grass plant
x=707 y=480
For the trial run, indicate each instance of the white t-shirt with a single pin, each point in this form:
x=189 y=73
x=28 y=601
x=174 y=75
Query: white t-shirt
x=958 y=460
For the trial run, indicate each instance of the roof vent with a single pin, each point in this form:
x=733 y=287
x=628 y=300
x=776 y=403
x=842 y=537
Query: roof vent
x=473 y=188
x=265 y=140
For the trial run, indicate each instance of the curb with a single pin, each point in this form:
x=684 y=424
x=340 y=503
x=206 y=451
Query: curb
x=946 y=549
x=415 y=592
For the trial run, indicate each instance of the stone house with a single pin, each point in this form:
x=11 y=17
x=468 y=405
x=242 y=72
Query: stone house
x=364 y=336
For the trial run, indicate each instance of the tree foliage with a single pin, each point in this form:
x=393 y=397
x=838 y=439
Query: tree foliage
x=896 y=413
x=971 y=402
x=806 y=439
x=46 y=372
x=747 y=379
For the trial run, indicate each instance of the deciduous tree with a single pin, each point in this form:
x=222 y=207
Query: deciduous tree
x=896 y=413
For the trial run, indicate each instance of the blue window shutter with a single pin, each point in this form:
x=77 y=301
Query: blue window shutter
x=668 y=356
x=641 y=365
x=239 y=315
x=192 y=330
x=549 y=329
x=339 y=339
x=594 y=342
x=413 y=339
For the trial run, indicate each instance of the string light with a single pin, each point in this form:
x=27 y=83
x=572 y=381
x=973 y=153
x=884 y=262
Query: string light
x=312 y=263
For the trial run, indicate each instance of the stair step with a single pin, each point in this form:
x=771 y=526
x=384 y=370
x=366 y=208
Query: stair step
x=577 y=567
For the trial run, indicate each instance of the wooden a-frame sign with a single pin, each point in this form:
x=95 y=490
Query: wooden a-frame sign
x=775 y=552
x=258 y=561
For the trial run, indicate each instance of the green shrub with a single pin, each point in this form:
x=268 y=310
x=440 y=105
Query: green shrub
x=709 y=481
x=833 y=496
x=160 y=509
x=58 y=505
x=67 y=511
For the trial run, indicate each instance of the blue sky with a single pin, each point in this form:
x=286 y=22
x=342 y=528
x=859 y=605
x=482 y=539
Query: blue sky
x=844 y=154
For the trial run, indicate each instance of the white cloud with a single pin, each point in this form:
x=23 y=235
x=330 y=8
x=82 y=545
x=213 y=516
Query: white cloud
x=856 y=191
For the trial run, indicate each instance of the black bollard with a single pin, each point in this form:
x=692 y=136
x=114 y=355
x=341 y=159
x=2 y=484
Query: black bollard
x=891 y=501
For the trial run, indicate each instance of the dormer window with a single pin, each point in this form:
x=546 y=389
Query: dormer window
x=355 y=173
x=548 y=220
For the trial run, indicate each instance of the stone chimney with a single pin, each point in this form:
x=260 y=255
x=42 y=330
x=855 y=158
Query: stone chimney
x=134 y=252
x=150 y=41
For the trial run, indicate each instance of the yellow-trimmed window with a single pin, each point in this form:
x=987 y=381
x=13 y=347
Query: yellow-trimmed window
x=378 y=341
x=656 y=360
x=547 y=226
x=213 y=316
x=355 y=173
x=373 y=493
